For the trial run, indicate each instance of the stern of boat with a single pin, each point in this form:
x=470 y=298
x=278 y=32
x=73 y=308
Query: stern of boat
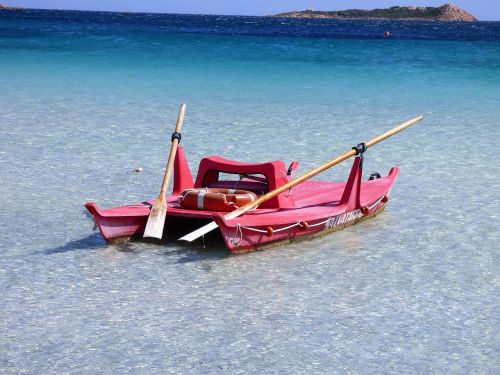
x=118 y=225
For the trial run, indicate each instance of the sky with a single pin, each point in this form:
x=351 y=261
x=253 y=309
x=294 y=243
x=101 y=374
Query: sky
x=484 y=10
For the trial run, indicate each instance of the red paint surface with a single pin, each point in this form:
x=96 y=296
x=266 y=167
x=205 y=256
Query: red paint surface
x=309 y=208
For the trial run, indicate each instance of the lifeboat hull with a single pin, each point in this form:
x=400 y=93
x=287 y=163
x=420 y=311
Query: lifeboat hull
x=310 y=209
x=319 y=212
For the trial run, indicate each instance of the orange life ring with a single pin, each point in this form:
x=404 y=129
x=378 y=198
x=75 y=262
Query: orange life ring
x=211 y=199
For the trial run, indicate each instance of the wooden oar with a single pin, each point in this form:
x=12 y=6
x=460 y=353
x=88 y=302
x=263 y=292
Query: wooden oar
x=156 y=219
x=240 y=211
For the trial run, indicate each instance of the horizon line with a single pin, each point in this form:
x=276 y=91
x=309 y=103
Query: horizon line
x=210 y=14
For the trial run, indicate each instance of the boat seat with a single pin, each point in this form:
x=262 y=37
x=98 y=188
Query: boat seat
x=253 y=186
x=274 y=173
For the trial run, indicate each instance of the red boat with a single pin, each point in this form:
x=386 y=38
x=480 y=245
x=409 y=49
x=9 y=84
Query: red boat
x=308 y=209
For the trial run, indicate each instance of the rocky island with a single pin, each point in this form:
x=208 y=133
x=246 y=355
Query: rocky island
x=446 y=12
x=9 y=7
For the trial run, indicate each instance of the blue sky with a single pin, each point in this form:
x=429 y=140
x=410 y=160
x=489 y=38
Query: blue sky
x=485 y=10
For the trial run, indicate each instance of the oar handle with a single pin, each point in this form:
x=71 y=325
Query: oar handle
x=176 y=137
x=240 y=211
x=314 y=172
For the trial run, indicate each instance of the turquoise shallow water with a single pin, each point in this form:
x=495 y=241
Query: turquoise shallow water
x=85 y=100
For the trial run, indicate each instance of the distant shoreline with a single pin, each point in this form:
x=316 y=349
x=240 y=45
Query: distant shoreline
x=10 y=7
x=350 y=14
x=446 y=12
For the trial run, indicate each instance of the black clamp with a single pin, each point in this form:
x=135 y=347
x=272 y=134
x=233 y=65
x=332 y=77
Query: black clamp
x=176 y=135
x=360 y=149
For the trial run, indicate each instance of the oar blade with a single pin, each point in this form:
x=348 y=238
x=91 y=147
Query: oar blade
x=199 y=232
x=156 y=221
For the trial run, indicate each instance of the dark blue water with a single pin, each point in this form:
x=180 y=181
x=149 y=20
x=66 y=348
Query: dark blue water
x=46 y=21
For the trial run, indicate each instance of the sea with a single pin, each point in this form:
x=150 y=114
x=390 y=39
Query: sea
x=88 y=97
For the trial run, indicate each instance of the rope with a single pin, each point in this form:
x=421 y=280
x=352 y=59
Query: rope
x=380 y=199
x=284 y=176
x=234 y=240
x=297 y=224
x=329 y=223
x=239 y=227
x=376 y=202
x=329 y=220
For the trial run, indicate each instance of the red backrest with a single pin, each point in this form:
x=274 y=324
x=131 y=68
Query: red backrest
x=274 y=172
